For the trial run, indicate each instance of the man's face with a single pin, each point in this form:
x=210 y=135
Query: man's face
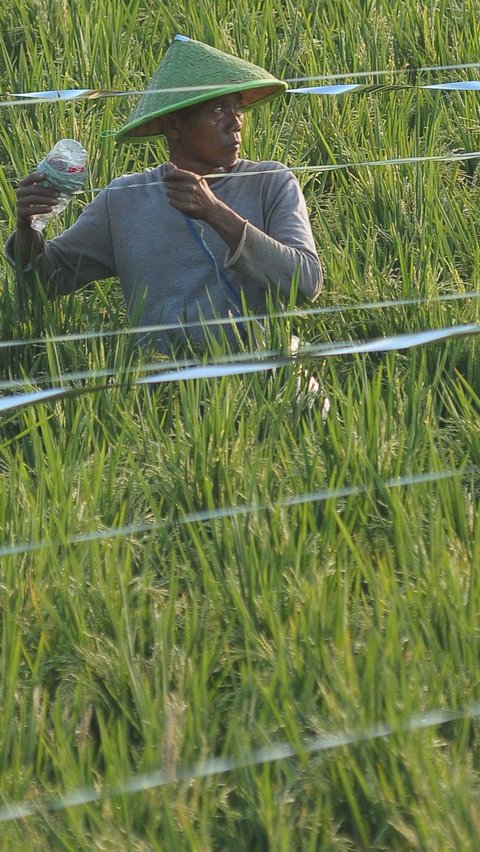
x=207 y=136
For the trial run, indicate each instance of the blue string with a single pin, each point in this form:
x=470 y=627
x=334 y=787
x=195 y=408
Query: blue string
x=221 y=277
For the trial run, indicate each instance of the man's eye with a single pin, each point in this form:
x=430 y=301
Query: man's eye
x=222 y=109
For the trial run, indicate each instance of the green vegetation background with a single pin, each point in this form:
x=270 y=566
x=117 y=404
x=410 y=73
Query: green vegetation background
x=206 y=638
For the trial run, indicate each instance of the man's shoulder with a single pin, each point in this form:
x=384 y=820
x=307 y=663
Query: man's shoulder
x=261 y=166
x=270 y=176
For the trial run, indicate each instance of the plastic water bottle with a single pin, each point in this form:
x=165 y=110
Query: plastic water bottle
x=65 y=168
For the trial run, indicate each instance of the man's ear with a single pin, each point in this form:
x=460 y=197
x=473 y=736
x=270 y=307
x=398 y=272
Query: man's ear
x=168 y=125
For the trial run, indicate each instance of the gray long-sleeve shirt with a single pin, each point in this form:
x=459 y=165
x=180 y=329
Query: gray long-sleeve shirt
x=174 y=269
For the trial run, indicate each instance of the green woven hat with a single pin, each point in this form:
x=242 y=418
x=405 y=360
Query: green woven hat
x=198 y=73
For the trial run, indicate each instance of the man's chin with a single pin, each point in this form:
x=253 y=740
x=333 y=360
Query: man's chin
x=231 y=158
x=226 y=164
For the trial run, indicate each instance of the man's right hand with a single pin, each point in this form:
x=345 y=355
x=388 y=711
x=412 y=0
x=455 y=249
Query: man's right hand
x=33 y=198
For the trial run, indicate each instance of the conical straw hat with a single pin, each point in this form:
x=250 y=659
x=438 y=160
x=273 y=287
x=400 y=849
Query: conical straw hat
x=200 y=72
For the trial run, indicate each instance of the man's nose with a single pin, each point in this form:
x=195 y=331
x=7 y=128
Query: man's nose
x=235 y=117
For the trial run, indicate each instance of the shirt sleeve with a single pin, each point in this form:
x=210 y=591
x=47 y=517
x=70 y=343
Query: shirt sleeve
x=80 y=255
x=286 y=249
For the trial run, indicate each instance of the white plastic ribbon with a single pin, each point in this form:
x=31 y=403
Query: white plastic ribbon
x=220 y=765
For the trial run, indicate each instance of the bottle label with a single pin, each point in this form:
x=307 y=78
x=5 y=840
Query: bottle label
x=65 y=166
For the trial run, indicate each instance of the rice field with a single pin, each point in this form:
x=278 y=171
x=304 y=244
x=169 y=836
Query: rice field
x=176 y=582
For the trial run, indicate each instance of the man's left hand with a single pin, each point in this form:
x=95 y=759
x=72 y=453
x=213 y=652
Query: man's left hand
x=189 y=193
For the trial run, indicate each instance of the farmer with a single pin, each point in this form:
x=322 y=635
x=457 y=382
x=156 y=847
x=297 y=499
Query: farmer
x=185 y=246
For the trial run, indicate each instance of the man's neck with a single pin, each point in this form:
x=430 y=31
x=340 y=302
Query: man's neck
x=197 y=167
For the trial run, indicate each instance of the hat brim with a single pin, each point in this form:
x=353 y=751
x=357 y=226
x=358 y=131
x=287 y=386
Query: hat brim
x=145 y=128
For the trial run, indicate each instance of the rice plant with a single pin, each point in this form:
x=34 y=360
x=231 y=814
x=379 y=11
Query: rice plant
x=175 y=583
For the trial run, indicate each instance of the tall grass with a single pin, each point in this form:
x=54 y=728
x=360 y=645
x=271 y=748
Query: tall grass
x=135 y=652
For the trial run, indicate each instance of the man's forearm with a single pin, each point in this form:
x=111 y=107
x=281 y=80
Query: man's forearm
x=34 y=197
x=29 y=244
x=271 y=263
x=227 y=223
